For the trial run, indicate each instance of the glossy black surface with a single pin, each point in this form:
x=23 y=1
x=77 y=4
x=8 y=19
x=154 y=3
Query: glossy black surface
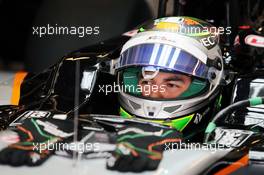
x=54 y=88
x=245 y=87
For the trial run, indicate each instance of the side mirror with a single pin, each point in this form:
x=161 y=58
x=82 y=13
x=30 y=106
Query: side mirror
x=88 y=79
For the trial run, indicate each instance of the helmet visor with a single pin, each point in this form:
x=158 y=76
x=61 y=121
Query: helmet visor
x=165 y=57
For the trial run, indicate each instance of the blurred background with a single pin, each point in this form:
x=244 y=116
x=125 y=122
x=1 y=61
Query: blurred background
x=20 y=49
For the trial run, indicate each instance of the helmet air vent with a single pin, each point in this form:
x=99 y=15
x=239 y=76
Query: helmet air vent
x=171 y=109
x=134 y=105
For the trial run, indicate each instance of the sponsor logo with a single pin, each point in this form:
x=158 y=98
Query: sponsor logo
x=30 y=114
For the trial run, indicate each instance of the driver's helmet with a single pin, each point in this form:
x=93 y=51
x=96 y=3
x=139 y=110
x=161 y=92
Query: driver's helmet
x=169 y=70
